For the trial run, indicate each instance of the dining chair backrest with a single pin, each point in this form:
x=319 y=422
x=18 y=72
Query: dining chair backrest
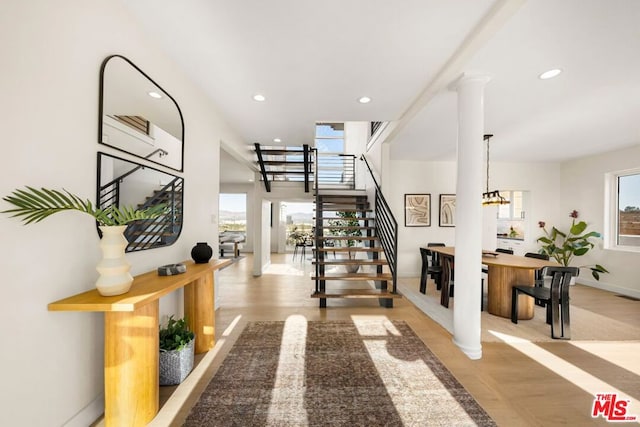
x=505 y=251
x=435 y=257
x=537 y=255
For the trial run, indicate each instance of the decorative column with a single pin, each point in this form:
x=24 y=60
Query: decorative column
x=469 y=224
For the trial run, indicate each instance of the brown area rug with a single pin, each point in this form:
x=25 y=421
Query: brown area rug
x=337 y=373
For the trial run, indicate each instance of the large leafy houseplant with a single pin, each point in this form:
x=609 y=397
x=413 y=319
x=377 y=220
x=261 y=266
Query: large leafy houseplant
x=565 y=246
x=347 y=226
x=34 y=205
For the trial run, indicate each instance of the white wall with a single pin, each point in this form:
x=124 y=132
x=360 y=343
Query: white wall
x=583 y=190
x=49 y=110
x=435 y=178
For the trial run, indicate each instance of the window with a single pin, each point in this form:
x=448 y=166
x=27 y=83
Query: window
x=623 y=220
x=233 y=212
x=515 y=209
x=299 y=219
x=330 y=137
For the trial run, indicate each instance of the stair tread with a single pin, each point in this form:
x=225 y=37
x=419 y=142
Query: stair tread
x=342 y=208
x=355 y=293
x=352 y=249
x=347 y=238
x=350 y=227
x=350 y=262
x=358 y=218
x=354 y=276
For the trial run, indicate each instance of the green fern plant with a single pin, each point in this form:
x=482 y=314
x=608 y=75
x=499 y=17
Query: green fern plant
x=33 y=205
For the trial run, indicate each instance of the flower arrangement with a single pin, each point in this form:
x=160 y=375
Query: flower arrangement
x=563 y=247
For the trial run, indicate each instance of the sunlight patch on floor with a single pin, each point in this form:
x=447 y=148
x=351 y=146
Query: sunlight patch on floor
x=396 y=373
x=374 y=325
x=290 y=376
x=232 y=326
x=612 y=352
x=283 y=270
x=582 y=379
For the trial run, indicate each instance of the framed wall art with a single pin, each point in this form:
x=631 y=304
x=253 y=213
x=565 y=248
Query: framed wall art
x=447 y=210
x=417 y=210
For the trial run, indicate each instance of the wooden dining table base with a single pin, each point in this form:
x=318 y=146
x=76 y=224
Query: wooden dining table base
x=501 y=280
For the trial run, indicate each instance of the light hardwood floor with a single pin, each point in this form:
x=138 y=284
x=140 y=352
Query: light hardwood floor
x=514 y=388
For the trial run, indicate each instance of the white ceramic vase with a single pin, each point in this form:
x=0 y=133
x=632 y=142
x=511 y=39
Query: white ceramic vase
x=115 y=278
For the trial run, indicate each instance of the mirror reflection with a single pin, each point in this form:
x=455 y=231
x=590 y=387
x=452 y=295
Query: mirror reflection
x=125 y=183
x=137 y=116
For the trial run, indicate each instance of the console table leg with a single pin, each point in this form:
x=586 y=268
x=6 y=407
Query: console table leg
x=199 y=311
x=131 y=377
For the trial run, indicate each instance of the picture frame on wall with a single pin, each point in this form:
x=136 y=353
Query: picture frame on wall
x=447 y=210
x=417 y=210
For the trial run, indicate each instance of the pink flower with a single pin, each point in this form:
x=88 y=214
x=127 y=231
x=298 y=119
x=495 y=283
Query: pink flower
x=574 y=214
x=541 y=224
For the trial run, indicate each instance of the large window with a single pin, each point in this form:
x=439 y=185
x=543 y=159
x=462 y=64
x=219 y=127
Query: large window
x=233 y=212
x=299 y=218
x=330 y=137
x=624 y=210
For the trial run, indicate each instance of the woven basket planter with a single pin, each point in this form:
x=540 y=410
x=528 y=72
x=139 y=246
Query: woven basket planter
x=175 y=365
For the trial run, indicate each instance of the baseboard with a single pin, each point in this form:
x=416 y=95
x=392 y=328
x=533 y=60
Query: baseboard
x=609 y=287
x=89 y=414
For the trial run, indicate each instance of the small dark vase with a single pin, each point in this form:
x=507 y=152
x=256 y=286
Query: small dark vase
x=201 y=253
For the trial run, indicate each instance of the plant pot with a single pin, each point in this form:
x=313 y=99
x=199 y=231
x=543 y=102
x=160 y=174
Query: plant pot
x=115 y=278
x=175 y=365
x=352 y=268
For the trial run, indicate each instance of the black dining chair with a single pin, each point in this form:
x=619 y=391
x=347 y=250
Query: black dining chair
x=430 y=267
x=539 y=274
x=556 y=298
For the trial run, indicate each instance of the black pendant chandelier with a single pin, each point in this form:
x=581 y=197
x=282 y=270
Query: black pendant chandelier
x=491 y=197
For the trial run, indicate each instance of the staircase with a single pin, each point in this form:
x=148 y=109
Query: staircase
x=343 y=220
x=306 y=165
x=150 y=233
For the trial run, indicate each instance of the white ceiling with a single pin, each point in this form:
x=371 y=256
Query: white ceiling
x=313 y=60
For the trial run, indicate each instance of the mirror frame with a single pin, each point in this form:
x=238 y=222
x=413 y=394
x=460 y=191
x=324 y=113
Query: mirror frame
x=131 y=247
x=101 y=110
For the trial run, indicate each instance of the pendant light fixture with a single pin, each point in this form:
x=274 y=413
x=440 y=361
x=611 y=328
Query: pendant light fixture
x=491 y=197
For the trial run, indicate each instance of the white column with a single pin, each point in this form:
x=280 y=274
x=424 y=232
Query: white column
x=468 y=240
x=257 y=225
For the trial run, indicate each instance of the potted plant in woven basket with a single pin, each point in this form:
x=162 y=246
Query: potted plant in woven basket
x=176 y=351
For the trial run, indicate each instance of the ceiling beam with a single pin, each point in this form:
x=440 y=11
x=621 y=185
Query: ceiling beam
x=493 y=21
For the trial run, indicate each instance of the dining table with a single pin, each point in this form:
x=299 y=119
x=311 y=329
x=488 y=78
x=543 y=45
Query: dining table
x=503 y=272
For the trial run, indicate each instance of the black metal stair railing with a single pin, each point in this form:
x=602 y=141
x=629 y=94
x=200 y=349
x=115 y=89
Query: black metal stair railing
x=335 y=170
x=160 y=231
x=386 y=227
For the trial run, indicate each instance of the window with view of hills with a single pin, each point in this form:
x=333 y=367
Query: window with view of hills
x=232 y=212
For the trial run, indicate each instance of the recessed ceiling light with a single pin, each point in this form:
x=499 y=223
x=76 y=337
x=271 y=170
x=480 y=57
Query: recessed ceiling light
x=259 y=98
x=550 y=74
x=155 y=95
x=364 y=100
x=277 y=140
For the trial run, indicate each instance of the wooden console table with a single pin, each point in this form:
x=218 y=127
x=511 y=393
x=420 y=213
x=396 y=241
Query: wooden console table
x=131 y=336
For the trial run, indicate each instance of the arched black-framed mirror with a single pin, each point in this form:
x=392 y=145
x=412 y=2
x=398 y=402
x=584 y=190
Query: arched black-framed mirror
x=125 y=183
x=137 y=116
